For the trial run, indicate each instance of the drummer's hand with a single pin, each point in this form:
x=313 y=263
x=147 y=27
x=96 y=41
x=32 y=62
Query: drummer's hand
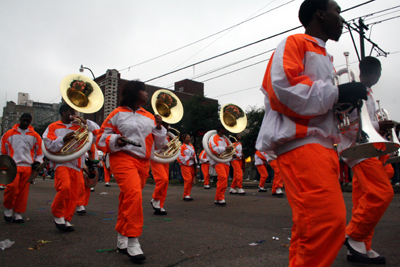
x=229 y=148
x=82 y=120
x=68 y=137
x=121 y=143
x=158 y=121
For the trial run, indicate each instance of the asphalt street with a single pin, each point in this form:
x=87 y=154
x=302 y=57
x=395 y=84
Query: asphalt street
x=196 y=233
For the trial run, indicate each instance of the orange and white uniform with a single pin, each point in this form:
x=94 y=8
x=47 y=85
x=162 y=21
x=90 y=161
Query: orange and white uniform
x=24 y=146
x=237 y=165
x=299 y=126
x=161 y=178
x=68 y=174
x=107 y=171
x=217 y=146
x=260 y=160
x=187 y=167
x=130 y=164
x=277 y=181
x=372 y=191
x=84 y=190
x=205 y=166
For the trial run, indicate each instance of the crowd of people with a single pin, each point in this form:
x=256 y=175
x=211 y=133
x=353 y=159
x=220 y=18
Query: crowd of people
x=298 y=139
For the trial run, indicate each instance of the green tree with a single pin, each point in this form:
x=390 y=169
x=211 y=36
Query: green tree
x=255 y=116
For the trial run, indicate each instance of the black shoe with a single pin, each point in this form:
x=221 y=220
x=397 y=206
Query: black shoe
x=161 y=212
x=278 y=195
x=7 y=219
x=122 y=250
x=187 y=199
x=356 y=256
x=64 y=228
x=219 y=203
x=18 y=221
x=137 y=258
x=377 y=260
x=81 y=212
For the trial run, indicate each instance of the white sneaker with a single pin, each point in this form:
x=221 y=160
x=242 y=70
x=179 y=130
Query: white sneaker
x=122 y=241
x=2 y=187
x=398 y=183
x=207 y=186
x=80 y=208
x=155 y=204
x=8 y=212
x=241 y=191
x=220 y=202
x=232 y=191
x=255 y=181
x=134 y=250
x=92 y=189
x=59 y=220
x=17 y=216
x=107 y=184
x=261 y=189
x=68 y=224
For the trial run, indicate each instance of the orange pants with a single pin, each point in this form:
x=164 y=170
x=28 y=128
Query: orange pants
x=310 y=174
x=188 y=177
x=277 y=182
x=237 y=174
x=66 y=182
x=161 y=178
x=83 y=193
x=389 y=170
x=205 y=168
x=262 y=169
x=107 y=175
x=16 y=193
x=130 y=174
x=372 y=194
x=223 y=173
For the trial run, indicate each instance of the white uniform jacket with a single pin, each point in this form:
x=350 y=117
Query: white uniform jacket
x=299 y=97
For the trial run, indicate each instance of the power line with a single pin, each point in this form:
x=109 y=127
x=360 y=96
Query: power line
x=238 y=91
x=377 y=22
x=214 y=34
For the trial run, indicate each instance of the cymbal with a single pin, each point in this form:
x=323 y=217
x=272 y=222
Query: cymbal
x=8 y=169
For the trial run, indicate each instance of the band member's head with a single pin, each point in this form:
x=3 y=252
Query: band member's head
x=322 y=19
x=370 y=71
x=221 y=130
x=238 y=137
x=186 y=138
x=66 y=112
x=25 y=120
x=134 y=94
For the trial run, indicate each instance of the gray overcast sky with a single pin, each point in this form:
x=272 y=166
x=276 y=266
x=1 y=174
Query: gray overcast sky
x=43 y=41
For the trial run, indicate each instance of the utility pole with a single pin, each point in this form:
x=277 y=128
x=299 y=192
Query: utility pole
x=361 y=27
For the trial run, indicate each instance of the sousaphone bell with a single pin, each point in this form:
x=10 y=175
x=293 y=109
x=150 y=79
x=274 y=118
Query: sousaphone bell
x=170 y=108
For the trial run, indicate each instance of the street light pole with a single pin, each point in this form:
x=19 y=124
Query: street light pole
x=82 y=68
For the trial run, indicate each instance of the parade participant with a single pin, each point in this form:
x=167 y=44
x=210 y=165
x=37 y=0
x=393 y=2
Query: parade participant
x=218 y=145
x=372 y=191
x=237 y=165
x=68 y=174
x=299 y=126
x=187 y=161
x=205 y=168
x=260 y=160
x=91 y=159
x=160 y=173
x=129 y=163
x=23 y=144
x=277 y=182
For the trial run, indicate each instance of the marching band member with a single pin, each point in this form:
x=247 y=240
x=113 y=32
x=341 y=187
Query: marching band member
x=219 y=145
x=237 y=165
x=277 y=182
x=205 y=168
x=68 y=174
x=91 y=157
x=372 y=191
x=23 y=144
x=260 y=160
x=161 y=179
x=187 y=162
x=299 y=126
x=130 y=163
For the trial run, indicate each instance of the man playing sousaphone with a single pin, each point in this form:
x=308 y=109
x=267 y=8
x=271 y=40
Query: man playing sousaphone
x=67 y=174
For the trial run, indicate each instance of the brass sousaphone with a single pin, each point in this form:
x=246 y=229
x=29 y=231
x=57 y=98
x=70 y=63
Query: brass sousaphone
x=85 y=96
x=234 y=120
x=368 y=142
x=169 y=107
x=8 y=169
